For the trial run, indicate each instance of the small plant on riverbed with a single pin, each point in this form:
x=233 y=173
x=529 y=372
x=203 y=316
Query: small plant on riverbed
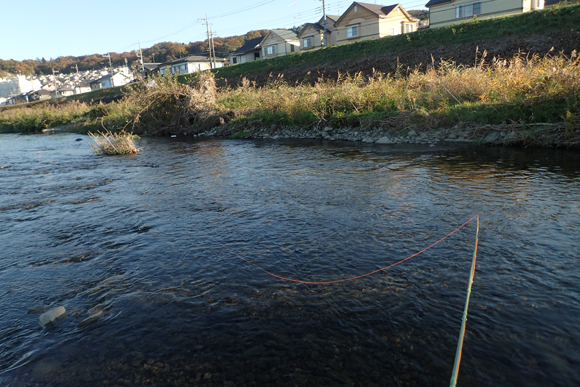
x=109 y=143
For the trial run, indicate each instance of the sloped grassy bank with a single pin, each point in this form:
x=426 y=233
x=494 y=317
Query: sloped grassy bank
x=556 y=28
x=524 y=100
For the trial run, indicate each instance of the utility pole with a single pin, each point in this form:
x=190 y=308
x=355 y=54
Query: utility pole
x=110 y=63
x=140 y=56
x=209 y=39
x=325 y=30
x=213 y=48
x=54 y=83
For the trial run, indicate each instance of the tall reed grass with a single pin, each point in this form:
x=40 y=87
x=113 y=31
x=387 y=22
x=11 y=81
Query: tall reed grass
x=519 y=89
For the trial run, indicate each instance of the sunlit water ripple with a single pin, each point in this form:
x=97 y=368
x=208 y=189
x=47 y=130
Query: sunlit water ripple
x=160 y=243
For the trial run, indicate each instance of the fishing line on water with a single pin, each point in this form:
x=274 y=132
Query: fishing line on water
x=455 y=372
x=341 y=279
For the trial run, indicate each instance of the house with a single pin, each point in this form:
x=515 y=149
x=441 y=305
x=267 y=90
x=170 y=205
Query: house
x=311 y=36
x=190 y=64
x=446 y=12
x=39 y=95
x=363 y=21
x=279 y=43
x=65 y=91
x=111 y=80
x=17 y=85
x=150 y=68
x=250 y=51
x=82 y=87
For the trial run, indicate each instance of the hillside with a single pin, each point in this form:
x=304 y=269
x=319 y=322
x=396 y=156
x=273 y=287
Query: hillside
x=555 y=30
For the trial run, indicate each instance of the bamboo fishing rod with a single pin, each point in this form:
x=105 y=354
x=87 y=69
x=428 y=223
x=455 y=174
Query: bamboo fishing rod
x=453 y=381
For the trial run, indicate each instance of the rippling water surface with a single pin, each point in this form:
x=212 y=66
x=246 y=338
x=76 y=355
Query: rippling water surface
x=160 y=244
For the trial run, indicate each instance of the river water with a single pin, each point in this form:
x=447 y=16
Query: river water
x=163 y=245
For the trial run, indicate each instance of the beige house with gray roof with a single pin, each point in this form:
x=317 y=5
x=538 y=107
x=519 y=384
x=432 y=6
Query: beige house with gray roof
x=447 y=12
x=311 y=36
x=279 y=43
x=364 y=21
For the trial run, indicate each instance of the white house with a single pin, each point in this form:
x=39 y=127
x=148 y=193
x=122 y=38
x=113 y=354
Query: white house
x=82 y=87
x=18 y=85
x=114 y=80
x=189 y=64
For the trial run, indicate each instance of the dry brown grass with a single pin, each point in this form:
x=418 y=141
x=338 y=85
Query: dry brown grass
x=109 y=143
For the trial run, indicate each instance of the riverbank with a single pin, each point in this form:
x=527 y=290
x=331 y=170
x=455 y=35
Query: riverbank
x=523 y=100
x=539 y=135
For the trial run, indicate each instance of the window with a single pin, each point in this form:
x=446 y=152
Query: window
x=408 y=28
x=163 y=71
x=392 y=31
x=355 y=8
x=307 y=42
x=352 y=32
x=234 y=60
x=467 y=10
x=270 y=50
x=291 y=48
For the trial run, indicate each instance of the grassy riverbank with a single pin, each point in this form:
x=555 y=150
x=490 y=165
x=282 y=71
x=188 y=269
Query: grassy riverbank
x=522 y=92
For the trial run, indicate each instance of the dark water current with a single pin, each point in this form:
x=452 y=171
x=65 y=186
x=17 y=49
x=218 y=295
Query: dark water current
x=137 y=239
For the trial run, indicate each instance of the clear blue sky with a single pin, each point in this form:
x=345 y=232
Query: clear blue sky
x=48 y=29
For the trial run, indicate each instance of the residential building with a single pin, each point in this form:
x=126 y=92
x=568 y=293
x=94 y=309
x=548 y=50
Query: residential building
x=150 y=68
x=18 y=85
x=189 y=64
x=363 y=21
x=111 y=80
x=39 y=95
x=65 y=91
x=446 y=12
x=311 y=36
x=279 y=43
x=82 y=87
x=249 y=52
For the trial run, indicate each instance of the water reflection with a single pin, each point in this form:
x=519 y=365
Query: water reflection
x=128 y=238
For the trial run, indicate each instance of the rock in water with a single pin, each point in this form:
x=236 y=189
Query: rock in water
x=385 y=140
x=52 y=316
x=91 y=319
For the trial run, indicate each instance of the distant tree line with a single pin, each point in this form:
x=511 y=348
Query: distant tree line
x=159 y=53
x=421 y=14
